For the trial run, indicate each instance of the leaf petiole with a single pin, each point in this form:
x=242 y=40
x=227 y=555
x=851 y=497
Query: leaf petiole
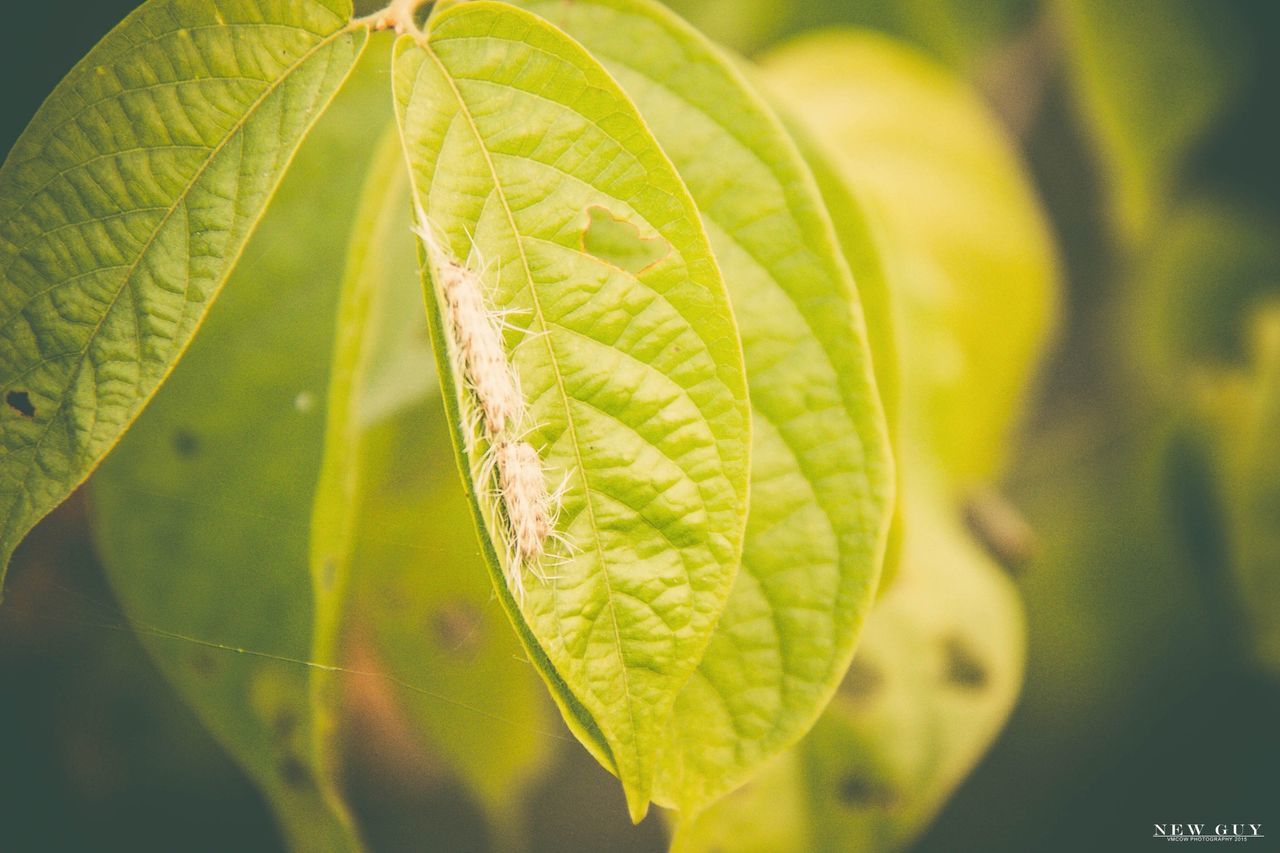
x=398 y=15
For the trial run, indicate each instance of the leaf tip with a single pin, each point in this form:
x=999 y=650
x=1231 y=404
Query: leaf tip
x=637 y=803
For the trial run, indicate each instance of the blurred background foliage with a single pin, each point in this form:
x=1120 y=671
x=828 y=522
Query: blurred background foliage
x=1119 y=513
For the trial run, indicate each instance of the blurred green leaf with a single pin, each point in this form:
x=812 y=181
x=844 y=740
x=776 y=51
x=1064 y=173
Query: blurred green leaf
x=1149 y=78
x=634 y=381
x=940 y=663
x=821 y=481
x=962 y=34
x=1245 y=413
x=123 y=208
x=202 y=513
x=394 y=549
x=965 y=245
x=1193 y=291
x=769 y=814
x=1215 y=268
x=743 y=25
x=936 y=674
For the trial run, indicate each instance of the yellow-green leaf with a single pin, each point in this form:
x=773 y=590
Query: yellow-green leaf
x=1245 y=411
x=401 y=586
x=123 y=208
x=964 y=241
x=936 y=674
x=633 y=381
x=202 y=514
x=821 y=478
x=1149 y=77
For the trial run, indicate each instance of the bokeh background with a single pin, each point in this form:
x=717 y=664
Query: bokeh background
x=1145 y=467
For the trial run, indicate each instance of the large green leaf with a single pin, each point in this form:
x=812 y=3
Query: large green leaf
x=124 y=206
x=1149 y=77
x=937 y=672
x=821 y=477
x=401 y=586
x=633 y=378
x=965 y=244
x=202 y=513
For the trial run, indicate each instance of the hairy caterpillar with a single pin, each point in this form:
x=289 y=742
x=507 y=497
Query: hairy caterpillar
x=509 y=464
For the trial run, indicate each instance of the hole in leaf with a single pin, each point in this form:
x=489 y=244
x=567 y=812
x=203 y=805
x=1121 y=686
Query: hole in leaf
x=618 y=242
x=456 y=628
x=964 y=669
x=862 y=681
x=185 y=443
x=857 y=790
x=20 y=402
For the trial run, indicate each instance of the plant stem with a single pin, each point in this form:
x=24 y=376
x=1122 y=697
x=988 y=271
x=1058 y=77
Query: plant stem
x=398 y=15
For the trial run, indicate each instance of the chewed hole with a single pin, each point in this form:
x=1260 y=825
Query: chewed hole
x=964 y=668
x=618 y=243
x=20 y=402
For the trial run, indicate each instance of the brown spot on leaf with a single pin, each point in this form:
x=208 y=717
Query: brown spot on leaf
x=963 y=667
x=285 y=723
x=185 y=443
x=295 y=773
x=863 y=680
x=858 y=790
x=20 y=402
x=456 y=628
x=203 y=664
x=1000 y=529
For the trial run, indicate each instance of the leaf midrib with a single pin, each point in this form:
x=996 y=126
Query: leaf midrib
x=465 y=112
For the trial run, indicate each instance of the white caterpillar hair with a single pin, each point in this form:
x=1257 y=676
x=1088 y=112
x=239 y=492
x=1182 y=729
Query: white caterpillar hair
x=509 y=465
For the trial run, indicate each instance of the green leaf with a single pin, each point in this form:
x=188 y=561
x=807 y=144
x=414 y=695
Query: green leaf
x=123 y=208
x=1194 y=290
x=743 y=25
x=939 y=664
x=1196 y=296
x=1149 y=78
x=769 y=814
x=1243 y=410
x=856 y=233
x=965 y=243
x=402 y=589
x=821 y=481
x=937 y=672
x=202 y=513
x=636 y=398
